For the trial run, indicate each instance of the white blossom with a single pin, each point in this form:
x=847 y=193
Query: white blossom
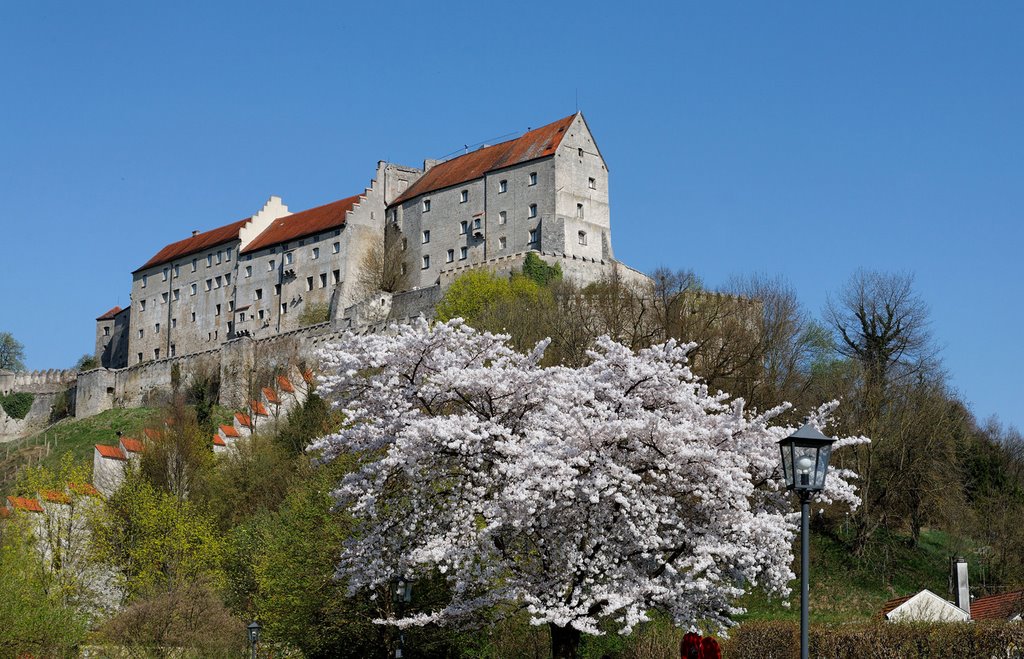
x=577 y=493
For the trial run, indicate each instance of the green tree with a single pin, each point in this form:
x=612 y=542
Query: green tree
x=12 y=353
x=540 y=271
x=86 y=362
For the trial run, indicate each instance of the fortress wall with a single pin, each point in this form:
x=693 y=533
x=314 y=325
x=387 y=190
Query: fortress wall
x=45 y=381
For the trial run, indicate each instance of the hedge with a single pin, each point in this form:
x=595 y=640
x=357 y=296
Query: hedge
x=881 y=640
x=17 y=405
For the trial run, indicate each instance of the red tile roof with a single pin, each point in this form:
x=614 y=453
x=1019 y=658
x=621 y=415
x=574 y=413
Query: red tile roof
x=114 y=452
x=196 y=243
x=83 y=488
x=891 y=605
x=151 y=434
x=110 y=314
x=55 y=496
x=258 y=408
x=998 y=607
x=218 y=440
x=303 y=223
x=537 y=143
x=132 y=445
x=307 y=375
x=284 y=384
x=229 y=431
x=271 y=397
x=243 y=420
x=5 y=512
x=22 y=503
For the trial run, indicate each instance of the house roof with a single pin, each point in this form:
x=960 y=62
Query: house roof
x=893 y=604
x=83 y=488
x=243 y=419
x=55 y=496
x=284 y=384
x=196 y=243
x=218 y=440
x=151 y=434
x=998 y=607
x=110 y=314
x=270 y=395
x=229 y=431
x=258 y=408
x=537 y=143
x=113 y=452
x=132 y=445
x=22 y=503
x=923 y=605
x=304 y=223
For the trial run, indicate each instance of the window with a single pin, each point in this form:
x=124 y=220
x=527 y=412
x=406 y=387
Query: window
x=157 y=328
x=335 y=248
x=220 y=256
x=270 y=265
x=260 y=314
x=323 y=279
x=140 y=356
x=426 y=261
x=177 y=294
x=450 y=257
x=194 y=261
x=142 y=305
x=209 y=260
x=144 y=278
x=156 y=353
x=426 y=237
x=592 y=183
x=217 y=312
x=533 y=210
x=502 y=217
x=248 y=271
x=464 y=196
x=231 y=305
x=231 y=327
x=580 y=152
x=227 y=254
x=193 y=287
x=174 y=323
x=583 y=237
x=177 y=271
x=287 y=258
x=476 y=223
x=277 y=290
x=463 y=226
x=533 y=178
x=309 y=283
x=405 y=244
x=258 y=294
x=403 y=269
x=106 y=330
x=227 y=279
x=534 y=235
x=142 y=332
x=174 y=350
x=426 y=205
x=463 y=253
x=335 y=277
x=501 y=242
x=164 y=275
x=579 y=211
x=217 y=281
x=163 y=298
x=284 y=307
x=502 y=186
x=193 y=316
x=209 y=284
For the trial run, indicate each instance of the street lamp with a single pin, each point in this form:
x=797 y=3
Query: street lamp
x=805 y=456
x=254 y=636
x=401 y=594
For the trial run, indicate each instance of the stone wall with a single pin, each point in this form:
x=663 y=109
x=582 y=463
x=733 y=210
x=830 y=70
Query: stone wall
x=46 y=381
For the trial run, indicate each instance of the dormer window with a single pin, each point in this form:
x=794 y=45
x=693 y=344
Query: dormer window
x=426 y=205
x=464 y=196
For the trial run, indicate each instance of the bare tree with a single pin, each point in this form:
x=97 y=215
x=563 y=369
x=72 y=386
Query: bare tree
x=380 y=267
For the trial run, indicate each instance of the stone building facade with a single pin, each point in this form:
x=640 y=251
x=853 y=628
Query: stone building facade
x=546 y=191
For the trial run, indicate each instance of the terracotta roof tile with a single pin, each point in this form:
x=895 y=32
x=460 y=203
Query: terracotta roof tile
x=229 y=431
x=84 y=489
x=271 y=396
x=21 y=503
x=5 y=512
x=303 y=223
x=284 y=384
x=218 y=440
x=132 y=445
x=891 y=605
x=537 y=143
x=196 y=243
x=108 y=451
x=307 y=375
x=998 y=607
x=258 y=408
x=243 y=420
x=110 y=314
x=55 y=496
x=151 y=434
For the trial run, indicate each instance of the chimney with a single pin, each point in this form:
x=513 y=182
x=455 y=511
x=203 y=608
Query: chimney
x=195 y=232
x=428 y=163
x=959 y=585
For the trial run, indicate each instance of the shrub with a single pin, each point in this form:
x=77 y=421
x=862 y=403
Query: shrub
x=539 y=271
x=316 y=312
x=17 y=404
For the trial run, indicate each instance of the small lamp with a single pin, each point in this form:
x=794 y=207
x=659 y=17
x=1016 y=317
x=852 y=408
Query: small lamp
x=805 y=456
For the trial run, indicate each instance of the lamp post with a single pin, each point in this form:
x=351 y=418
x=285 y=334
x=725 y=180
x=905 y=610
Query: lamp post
x=805 y=456
x=254 y=637
x=401 y=594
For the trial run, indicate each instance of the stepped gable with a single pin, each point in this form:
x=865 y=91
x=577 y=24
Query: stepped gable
x=1004 y=606
x=113 y=452
x=110 y=314
x=22 y=503
x=285 y=385
x=304 y=223
x=196 y=243
x=131 y=445
x=537 y=143
x=229 y=431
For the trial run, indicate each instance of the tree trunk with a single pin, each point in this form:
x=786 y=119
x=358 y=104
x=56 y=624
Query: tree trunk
x=565 y=642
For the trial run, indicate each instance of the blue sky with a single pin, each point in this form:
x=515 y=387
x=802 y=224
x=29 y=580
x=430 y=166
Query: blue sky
x=801 y=139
